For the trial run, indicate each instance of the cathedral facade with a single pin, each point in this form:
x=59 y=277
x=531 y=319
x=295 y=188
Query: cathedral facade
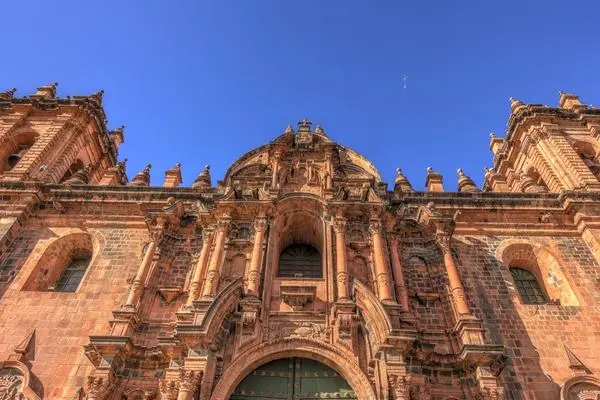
x=299 y=275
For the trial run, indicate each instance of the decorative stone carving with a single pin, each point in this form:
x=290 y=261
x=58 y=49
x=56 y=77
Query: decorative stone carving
x=302 y=329
x=298 y=297
x=399 y=386
x=168 y=389
x=99 y=387
x=11 y=385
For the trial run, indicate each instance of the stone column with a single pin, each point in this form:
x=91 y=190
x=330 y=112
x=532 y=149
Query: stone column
x=381 y=273
x=200 y=265
x=276 y=158
x=260 y=226
x=341 y=273
x=212 y=275
x=135 y=291
x=443 y=236
x=188 y=381
x=401 y=292
x=329 y=168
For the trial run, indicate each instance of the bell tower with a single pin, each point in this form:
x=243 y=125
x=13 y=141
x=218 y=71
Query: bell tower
x=49 y=139
x=547 y=149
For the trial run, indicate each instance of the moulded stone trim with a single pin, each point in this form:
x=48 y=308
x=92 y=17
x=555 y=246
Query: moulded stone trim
x=568 y=385
x=334 y=357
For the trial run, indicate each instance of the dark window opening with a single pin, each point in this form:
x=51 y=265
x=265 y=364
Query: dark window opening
x=72 y=275
x=300 y=261
x=528 y=286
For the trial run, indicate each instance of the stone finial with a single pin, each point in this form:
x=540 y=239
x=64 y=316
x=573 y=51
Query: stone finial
x=319 y=130
x=401 y=184
x=97 y=96
x=117 y=136
x=47 y=91
x=465 y=183
x=515 y=104
x=304 y=125
x=142 y=178
x=203 y=180
x=434 y=181
x=80 y=177
x=289 y=129
x=569 y=101
x=8 y=95
x=173 y=176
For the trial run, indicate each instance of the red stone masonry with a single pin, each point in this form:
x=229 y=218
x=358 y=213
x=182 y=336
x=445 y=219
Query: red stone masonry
x=114 y=289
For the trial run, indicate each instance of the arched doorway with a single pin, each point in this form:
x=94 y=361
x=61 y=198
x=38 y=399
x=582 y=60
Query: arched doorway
x=293 y=378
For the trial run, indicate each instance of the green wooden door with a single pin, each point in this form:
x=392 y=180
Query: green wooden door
x=293 y=379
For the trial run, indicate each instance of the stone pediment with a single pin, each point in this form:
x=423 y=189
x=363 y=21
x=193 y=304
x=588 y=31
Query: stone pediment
x=302 y=161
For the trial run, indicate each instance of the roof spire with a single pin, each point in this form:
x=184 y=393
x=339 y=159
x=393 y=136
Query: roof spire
x=203 y=180
x=465 y=183
x=402 y=185
x=142 y=178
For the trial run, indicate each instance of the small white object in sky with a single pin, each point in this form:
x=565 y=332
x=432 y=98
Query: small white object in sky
x=404 y=78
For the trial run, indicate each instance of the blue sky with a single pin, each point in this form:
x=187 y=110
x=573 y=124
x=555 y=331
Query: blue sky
x=202 y=82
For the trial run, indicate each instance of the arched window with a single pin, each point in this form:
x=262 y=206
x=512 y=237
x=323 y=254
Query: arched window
x=76 y=166
x=62 y=265
x=72 y=275
x=300 y=260
x=528 y=286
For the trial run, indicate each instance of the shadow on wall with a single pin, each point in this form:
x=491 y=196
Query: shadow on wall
x=494 y=299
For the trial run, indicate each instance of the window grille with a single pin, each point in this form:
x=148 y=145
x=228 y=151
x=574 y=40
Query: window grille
x=72 y=275
x=528 y=286
x=300 y=261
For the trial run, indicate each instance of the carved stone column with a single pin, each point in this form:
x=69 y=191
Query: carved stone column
x=341 y=274
x=329 y=169
x=200 y=265
x=381 y=273
x=444 y=231
x=135 y=291
x=188 y=383
x=260 y=227
x=274 y=178
x=212 y=275
x=401 y=291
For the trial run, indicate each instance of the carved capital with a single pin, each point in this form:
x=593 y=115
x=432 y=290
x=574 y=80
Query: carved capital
x=443 y=234
x=99 y=387
x=223 y=224
x=339 y=224
x=260 y=224
x=189 y=380
x=168 y=389
x=206 y=236
x=399 y=386
x=375 y=227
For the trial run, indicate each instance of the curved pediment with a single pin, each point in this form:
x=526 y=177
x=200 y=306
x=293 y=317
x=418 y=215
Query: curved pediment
x=302 y=161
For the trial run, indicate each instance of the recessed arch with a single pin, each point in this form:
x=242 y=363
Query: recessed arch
x=324 y=353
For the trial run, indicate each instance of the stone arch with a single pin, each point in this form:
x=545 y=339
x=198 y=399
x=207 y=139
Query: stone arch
x=223 y=304
x=300 y=221
x=58 y=255
x=543 y=264
x=338 y=359
x=373 y=312
x=588 y=153
x=14 y=148
x=580 y=388
x=75 y=166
